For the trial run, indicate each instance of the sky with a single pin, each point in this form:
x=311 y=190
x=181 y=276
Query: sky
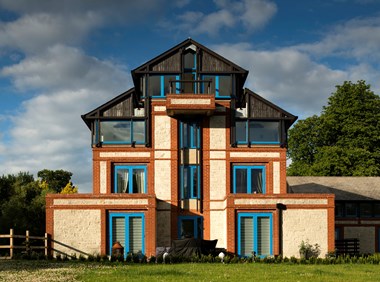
x=61 y=59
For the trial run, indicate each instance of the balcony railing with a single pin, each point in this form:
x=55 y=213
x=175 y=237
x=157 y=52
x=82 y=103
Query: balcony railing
x=195 y=86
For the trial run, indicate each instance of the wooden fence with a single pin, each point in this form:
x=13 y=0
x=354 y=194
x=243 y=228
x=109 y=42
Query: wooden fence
x=28 y=244
x=347 y=247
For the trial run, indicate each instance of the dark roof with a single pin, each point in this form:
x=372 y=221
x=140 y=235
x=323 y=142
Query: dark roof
x=344 y=188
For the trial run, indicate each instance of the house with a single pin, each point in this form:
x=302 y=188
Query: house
x=189 y=152
x=357 y=206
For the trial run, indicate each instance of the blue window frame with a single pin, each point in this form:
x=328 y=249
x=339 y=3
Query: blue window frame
x=190 y=135
x=249 y=179
x=190 y=227
x=159 y=85
x=129 y=230
x=122 y=131
x=130 y=179
x=190 y=182
x=257 y=132
x=221 y=85
x=255 y=234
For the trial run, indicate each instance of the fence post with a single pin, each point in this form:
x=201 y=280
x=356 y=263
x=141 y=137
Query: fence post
x=27 y=244
x=46 y=245
x=11 y=243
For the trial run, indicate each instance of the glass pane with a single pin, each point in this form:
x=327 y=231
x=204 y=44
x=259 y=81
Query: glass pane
x=194 y=176
x=188 y=87
x=116 y=131
x=187 y=228
x=185 y=183
x=167 y=89
x=376 y=209
x=264 y=131
x=351 y=209
x=154 y=88
x=135 y=235
x=139 y=131
x=189 y=60
x=122 y=181
x=263 y=236
x=365 y=209
x=256 y=180
x=241 y=131
x=241 y=180
x=194 y=137
x=118 y=230
x=225 y=87
x=138 y=181
x=339 y=209
x=200 y=228
x=246 y=236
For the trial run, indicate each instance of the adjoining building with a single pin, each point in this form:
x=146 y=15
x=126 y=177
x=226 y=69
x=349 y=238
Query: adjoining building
x=189 y=152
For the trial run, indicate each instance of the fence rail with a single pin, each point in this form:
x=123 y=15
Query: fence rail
x=347 y=247
x=27 y=245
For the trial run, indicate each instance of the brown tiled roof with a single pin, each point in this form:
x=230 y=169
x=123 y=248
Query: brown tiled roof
x=344 y=188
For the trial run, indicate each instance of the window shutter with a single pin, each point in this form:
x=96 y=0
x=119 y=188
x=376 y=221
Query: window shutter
x=263 y=236
x=246 y=238
x=135 y=234
x=118 y=230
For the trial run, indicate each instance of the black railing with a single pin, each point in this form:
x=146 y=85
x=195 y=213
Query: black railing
x=197 y=83
x=347 y=247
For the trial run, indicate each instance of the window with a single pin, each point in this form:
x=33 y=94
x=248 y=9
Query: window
x=128 y=230
x=190 y=227
x=221 y=85
x=365 y=209
x=254 y=234
x=351 y=209
x=339 y=208
x=159 y=85
x=122 y=131
x=248 y=179
x=257 y=132
x=190 y=184
x=130 y=179
x=190 y=135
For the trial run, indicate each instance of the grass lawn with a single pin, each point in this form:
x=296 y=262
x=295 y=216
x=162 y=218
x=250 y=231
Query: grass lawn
x=92 y=271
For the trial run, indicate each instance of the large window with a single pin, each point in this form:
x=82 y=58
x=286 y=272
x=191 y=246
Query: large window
x=128 y=230
x=354 y=209
x=190 y=182
x=257 y=132
x=159 y=85
x=189 y=135
x=255 y=234
x=190 y=227
x=122 y=131
x=221 y=85
x=130 y=179
x=248 y=179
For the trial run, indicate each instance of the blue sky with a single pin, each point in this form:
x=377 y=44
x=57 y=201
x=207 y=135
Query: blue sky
x=60 y=59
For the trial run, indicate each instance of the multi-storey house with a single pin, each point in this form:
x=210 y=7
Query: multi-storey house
x=189 y=152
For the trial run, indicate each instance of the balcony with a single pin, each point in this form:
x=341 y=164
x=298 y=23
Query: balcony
x=191 y=99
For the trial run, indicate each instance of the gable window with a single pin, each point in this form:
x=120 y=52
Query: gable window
x=257 y=132
x=190 y=227
x=190 y=135
x=159 y=85
x=130 y=179
x=254 y=234
x=221 y=85
x=248 y=179
x=122 y=131
x=190 y=186
x=128 y=230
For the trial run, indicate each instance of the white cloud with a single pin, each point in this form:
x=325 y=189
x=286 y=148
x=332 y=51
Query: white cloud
x=48 y=132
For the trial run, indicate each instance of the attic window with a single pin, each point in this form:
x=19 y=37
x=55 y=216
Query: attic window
x=257 y=132
x=189 y=58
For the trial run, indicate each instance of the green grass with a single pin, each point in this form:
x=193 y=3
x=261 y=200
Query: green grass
x=93 y=271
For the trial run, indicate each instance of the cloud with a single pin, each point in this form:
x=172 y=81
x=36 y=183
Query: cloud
x=48 y=132
x=253 y=14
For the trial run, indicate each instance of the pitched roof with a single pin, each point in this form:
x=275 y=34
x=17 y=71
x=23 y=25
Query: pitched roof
x=344 y=188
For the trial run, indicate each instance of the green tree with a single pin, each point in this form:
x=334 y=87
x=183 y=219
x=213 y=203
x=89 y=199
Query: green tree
x=55 y=179
x=344 y=140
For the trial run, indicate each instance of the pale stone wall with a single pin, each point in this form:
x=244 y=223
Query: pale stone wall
x=217 y=180
x=254 y=155
x=99 y=202
x=366 y=236
x=280 y=201
x=304 y=225
x=163 y=229
x=217 y=132
x=276 y=177
x=124 y=154
x=79 y=229
x=103 y=177
x=218 y=228
x=162 y=179
x=162 y=135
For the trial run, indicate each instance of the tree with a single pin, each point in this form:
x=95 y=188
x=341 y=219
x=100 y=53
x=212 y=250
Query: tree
x=69 y=189
x=344 y=140
x=55 y=179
